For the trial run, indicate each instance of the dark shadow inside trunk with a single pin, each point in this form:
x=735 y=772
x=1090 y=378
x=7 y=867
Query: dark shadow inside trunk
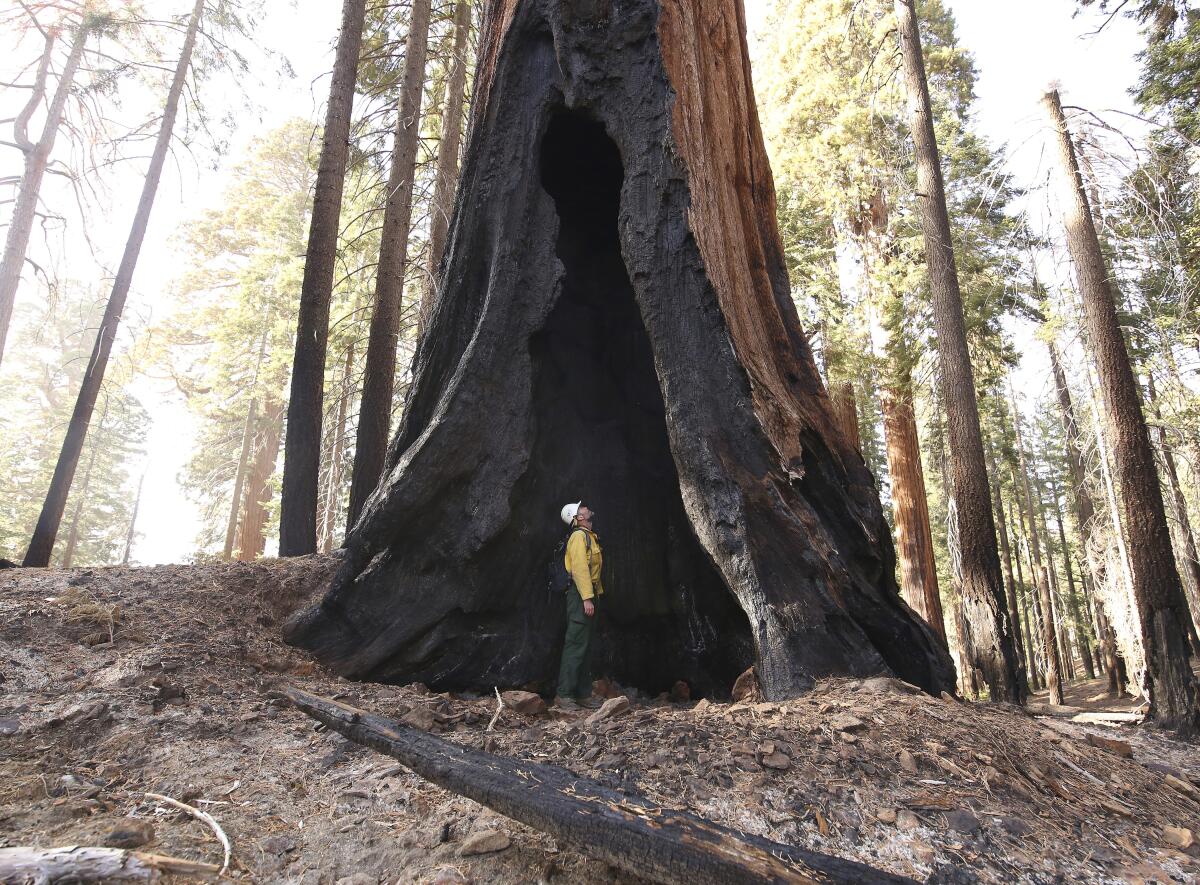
x=601 y=436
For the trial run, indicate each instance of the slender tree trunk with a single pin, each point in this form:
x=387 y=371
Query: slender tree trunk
x=910 y=507
x=332 y=496
x=42 y=543
x=1085 y=651
x=37 y=158
x=1185 y=540
x=129 y=536
x=253 y=538
x=989 y=637
x=1158 y=593
x=302 y=452
x=374 y=416
x=239 y=479
x=248 y=431
x=81 y=493
x=1006 y=559
x=447 y=160
x=1041 y=572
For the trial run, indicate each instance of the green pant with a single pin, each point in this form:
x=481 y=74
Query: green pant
x=575 y=674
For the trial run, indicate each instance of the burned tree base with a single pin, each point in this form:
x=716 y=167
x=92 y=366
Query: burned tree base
x=614 y=324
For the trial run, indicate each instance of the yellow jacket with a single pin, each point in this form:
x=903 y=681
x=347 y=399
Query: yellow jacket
x=584 y=565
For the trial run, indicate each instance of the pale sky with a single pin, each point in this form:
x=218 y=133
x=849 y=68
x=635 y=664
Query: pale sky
x=1019 y=47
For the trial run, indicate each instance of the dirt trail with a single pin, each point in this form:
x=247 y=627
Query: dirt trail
x=118 y=682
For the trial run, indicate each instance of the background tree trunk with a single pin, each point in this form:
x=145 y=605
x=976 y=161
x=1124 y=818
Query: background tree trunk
x=379 y=377
x=1041 y=572
x=449 y=144
x=989 y=639
x=616 y=325
x=42 y=543
x=1006 y=560
x=910 y=506
x=132 y=533
x=253 y=536
x=302 y=448
x=1156 y=587
x=37 y=158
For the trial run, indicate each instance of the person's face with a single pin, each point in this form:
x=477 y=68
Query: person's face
x=584 y=514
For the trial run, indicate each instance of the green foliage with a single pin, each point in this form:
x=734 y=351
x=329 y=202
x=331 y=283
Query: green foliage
x=43 y=373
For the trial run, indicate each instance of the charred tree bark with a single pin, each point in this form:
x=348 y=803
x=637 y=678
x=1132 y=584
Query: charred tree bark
x=41 y=545
x=989 y=639
x=446 y=177
x=302 y=449
x=623 y=829
x=1157 y=590
x=379 y=376
x=615 y=324
x=37 y=159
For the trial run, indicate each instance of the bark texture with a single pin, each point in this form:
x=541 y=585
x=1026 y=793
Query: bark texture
x=616 y=325
x=302 y=448
x=989 y=637
x=41 y=545
x=379 y=376
x=1157 y=590
x=910 y=506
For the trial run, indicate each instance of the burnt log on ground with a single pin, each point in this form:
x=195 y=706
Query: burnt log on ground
x=623 y=829
x=615 y=324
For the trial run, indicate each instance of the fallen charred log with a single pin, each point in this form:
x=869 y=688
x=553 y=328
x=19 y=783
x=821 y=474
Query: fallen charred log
x=615 y=324
x=625 y=830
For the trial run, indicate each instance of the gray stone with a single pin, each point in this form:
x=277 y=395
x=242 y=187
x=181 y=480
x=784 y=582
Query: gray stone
x=485 y=842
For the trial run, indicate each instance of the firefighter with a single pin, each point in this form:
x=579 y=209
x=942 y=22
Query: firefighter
x=583 y=559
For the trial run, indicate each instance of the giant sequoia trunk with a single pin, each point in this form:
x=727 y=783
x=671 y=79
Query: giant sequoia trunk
x=615 y=325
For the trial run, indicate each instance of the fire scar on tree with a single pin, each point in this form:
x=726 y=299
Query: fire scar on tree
x=614 y=323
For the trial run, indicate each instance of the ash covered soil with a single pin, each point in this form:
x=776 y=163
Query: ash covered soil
x=118 y=682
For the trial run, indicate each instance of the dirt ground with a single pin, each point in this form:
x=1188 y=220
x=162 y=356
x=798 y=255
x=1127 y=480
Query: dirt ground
x=118 y=682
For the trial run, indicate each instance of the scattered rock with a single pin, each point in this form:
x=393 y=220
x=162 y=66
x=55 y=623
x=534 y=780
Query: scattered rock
x=358 y=879
x=485 y=842
x=448 y=876
x=1179 y=837
x=962 y=821
x=9 y=725
x=923 y=852
x=419 y=717
x=278 y=844
x=526 y=703
x=906 y=820
x=681 y=692
x=848 y=737
x=1121 y=748
x=846 y=722
x=886 y=815
x=610 y=708
x=777 y=760
x=129 y=833
x=908 y=762
x=745 y=686
x=701 y=706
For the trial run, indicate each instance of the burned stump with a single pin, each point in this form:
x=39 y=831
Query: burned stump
x=615 y=324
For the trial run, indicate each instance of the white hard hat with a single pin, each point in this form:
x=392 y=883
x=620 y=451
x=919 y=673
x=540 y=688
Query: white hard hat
x=568 y=512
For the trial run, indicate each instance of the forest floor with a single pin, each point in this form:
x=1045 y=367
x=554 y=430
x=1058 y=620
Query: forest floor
x=118 y=682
